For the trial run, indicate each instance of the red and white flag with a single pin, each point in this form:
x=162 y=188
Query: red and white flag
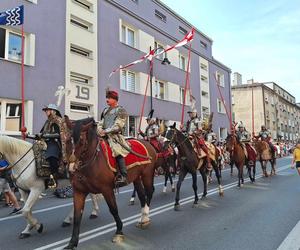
x=187 y=38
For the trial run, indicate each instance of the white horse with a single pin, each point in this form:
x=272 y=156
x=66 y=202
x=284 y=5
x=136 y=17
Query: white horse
x=20 y=155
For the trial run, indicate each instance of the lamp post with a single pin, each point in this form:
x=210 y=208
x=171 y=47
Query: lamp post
x=165 y=61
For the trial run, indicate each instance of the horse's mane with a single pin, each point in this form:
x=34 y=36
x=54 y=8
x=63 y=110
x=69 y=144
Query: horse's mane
x=77 y=127
x=13 y=145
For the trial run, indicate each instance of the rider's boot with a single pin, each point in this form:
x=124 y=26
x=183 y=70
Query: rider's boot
x=122 y=173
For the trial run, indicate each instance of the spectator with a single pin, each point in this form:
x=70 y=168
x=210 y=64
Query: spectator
x=296 y=158
x=4 y=185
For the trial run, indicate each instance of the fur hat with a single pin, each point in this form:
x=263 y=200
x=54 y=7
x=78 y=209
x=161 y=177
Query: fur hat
x=112 y=94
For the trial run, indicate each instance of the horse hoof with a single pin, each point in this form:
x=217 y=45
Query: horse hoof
x=221 y=194
x=93 y=216
x=131 y=203
x=195 y=205
x=118 y=238
x=143 y=225
x=70 y=247
x=40 y=229
x=65 y=224
x=177 y=207
x=24 y=235
x=173 y=189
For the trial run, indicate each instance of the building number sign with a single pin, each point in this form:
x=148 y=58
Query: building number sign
x=82 y=92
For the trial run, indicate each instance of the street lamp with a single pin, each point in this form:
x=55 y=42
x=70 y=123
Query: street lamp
x=165 y=61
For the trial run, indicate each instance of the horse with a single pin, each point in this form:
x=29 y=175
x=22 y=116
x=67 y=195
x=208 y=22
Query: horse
x=90 y=173
x=265 y=154
x=189 y=163
x=19 y=154
x=238 y=157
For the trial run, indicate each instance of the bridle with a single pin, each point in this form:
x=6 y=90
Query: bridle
x=77 y=162
x=233 y=144
x=172 y=142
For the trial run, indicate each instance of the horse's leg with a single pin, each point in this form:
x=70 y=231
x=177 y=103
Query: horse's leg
x=166 y=180
x=202 y=171
x=264 y=168
x=26 y=211
x=209 y=176
x=110 y=199
x=79 y=201
x=273 y=164
x=132 y=198
x=218 y=175
x=239 y=175
x=95 y=207
x=254 y=170
x=144 y=221
x=69 y=218
x=182 y=175
x=195 y=188
x=231 y=168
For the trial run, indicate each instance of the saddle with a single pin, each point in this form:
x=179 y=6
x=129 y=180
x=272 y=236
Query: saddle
x=199 y=151
x=41 y=164
x=131 y=160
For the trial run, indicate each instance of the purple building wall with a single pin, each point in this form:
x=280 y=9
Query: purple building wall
x=113 y=53
x=47 y=21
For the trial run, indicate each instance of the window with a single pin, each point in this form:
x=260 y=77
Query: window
x=205 y=112
x=182 y=62
x=159 y=48
x=222 y=133
x=203 y=45
x=203 y=78
x=80 y=51
x=80 y=107
x=12 y=116
x=220 y=107
x=84 y=4
x=128 y=80
x=78 y=78
x=14 y=47
x=159 y=90
x=203 y=66
x=11 y=45
x=182 y=30
x=130 y=128
x=161 y=16
x=204 y=94
x=128 y=36
x=81 y=23
x=220 y=79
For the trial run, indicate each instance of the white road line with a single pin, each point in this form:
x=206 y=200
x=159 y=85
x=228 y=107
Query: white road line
x=292 y=241
x=133 y=219
x=87 y=200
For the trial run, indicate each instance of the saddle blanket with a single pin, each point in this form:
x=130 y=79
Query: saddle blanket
x=131 y=160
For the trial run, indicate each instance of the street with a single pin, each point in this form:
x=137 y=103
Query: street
x=257 y=216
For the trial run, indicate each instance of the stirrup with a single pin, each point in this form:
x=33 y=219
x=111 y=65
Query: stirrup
x=52 y=182
x=121 y=180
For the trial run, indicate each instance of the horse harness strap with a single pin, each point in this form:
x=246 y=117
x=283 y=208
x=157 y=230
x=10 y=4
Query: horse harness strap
x=92 y=159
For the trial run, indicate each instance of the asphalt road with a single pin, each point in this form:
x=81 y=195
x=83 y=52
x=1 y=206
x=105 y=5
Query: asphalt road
x=257 y=216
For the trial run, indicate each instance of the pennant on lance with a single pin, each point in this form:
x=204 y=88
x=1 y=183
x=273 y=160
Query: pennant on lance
x=187 y=38
x=12 y=17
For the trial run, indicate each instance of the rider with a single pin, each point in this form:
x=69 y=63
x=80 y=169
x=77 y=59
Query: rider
x=265 y=135
x=152 y=133
x=194 y=130
x=50 y=132
x=111 y=125
x=243 y=137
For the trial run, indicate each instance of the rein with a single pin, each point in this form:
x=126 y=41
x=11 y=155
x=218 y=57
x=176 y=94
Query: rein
x=172 y=140
x=93 y=158
x=13 y=165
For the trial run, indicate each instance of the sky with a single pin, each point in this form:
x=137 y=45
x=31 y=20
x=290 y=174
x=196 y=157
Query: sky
x=260 y=39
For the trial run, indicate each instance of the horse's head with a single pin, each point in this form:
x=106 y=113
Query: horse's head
x=79 y=140
x=175 y=136
x=231 y=141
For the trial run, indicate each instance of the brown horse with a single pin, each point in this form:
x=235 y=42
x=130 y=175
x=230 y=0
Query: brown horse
x=190 y=163
x=238 y=157
x=90 y=173
x=264 y=154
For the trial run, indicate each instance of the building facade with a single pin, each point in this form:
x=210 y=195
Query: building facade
x=77 y=43
x=273 y=107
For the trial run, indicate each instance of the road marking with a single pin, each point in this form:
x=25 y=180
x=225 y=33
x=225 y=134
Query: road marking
x=133 y=219
x=87 y=200
x=292 y=241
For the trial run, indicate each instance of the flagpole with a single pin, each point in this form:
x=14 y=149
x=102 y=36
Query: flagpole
x=252 y=110
x=23 y=128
